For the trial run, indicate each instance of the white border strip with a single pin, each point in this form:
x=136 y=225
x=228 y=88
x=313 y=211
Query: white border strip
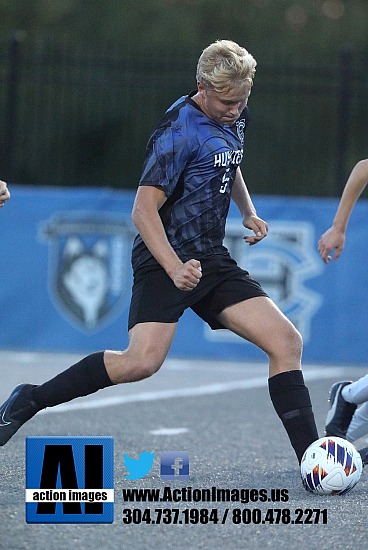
x=84 y=495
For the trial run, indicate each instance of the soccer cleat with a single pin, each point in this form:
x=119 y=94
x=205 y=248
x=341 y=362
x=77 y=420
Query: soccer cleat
x=341 y=411
x=364 y=454
x=11 y=419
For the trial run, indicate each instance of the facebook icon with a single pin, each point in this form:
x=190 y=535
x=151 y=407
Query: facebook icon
x=174 y=465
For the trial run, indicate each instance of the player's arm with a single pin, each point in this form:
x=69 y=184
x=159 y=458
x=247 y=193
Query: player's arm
x=243 y=201
x=4 y=193
x=145 y=216
x=334 y=237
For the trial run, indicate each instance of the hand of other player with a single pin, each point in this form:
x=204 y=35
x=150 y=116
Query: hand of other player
x=4 y=193
x=330 y=240
x=259 y=228
x=187 y=275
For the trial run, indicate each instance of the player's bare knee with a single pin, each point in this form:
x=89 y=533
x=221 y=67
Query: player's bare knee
x=143 y=365
x=294 y=344
x=129 y=366
x=148 y=366
x=287 y=348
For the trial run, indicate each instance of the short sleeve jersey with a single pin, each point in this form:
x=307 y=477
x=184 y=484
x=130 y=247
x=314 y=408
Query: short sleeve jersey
x=193 y=159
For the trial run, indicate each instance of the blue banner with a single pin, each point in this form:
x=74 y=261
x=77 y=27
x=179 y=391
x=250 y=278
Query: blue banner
x=66 y=275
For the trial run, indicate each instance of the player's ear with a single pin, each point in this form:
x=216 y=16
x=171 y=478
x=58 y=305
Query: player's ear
x=201 y=88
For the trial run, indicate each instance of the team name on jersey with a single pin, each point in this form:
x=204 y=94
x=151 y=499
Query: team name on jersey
x=228 y=157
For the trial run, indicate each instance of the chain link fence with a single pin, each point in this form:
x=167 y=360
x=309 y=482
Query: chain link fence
x=71 y=118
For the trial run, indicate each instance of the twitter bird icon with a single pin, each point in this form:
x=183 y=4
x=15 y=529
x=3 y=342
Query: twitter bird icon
x=138 y=467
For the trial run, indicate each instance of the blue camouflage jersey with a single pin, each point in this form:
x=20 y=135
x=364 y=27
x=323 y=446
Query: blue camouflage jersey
x=193 y=159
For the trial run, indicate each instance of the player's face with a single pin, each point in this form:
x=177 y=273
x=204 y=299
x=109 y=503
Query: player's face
x=224 y=107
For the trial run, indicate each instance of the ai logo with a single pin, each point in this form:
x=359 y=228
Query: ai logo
x=89 y=266
x=69 y=480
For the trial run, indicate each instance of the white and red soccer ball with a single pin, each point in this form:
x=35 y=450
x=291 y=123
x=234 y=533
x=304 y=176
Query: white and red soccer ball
x=331 y=466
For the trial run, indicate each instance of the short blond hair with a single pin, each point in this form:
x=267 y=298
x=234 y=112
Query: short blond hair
x=224 y=64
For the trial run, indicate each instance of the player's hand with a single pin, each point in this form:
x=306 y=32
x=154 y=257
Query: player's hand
x=4 y=193
x=259 y=228
x=332 y=239
x=187 y=275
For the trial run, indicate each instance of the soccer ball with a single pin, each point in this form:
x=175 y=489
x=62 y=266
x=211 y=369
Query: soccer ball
x=331 y=466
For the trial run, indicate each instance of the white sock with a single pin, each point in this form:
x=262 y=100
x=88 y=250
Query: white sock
x=356 y=392
x=358 y=426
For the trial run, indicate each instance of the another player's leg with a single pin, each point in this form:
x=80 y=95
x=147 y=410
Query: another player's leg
x=340 y=412
x=345 y=418
x=344 y=398
x=358 y=426
x=148 y=347
x=261 y=322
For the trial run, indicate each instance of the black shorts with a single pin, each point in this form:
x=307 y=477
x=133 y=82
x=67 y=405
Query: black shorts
x=155 y=298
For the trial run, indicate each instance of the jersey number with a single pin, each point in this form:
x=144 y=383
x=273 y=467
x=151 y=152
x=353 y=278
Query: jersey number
x=225 y=180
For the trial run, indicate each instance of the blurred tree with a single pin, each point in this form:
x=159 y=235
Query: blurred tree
x=93 y=66
x=290 y=29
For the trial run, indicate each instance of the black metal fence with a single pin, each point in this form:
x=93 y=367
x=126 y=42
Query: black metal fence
x=74 y=119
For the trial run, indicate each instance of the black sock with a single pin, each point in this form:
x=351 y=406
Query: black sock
x=87 y=376
x=291 y=400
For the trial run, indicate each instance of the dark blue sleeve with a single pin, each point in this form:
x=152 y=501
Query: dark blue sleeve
x=167 y=157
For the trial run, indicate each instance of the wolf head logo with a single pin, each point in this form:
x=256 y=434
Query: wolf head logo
x=89 y=267
x=84 y=279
